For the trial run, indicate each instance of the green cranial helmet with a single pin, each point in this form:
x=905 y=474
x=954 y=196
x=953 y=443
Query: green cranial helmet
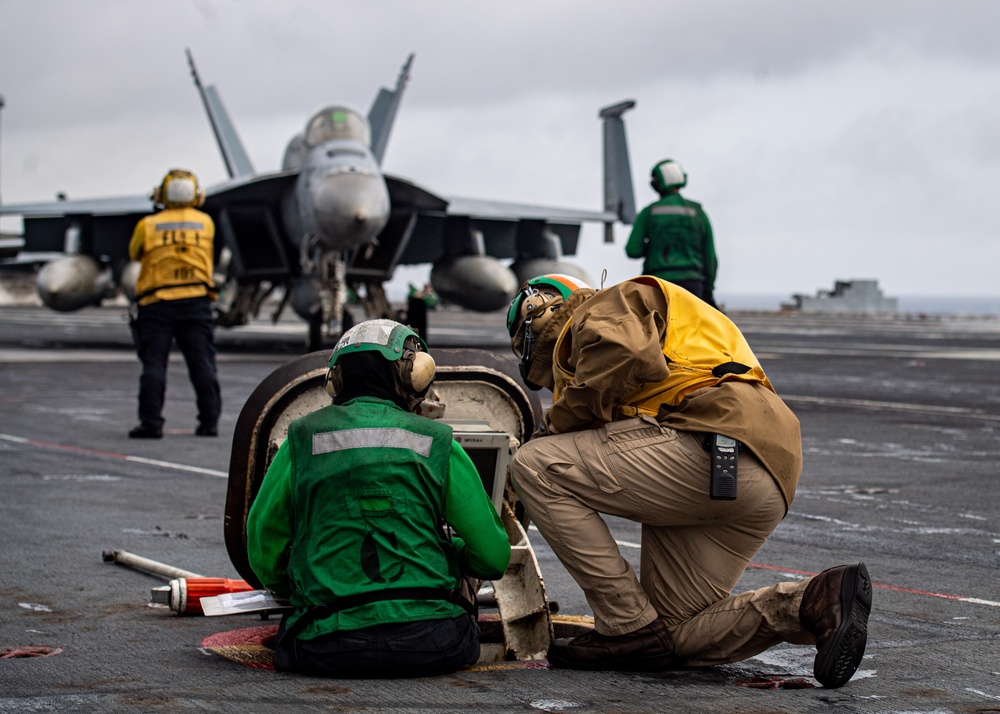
x=534 y=308
x=387 y=337
x=556 y=286
x=667 y=175
x=413 y=367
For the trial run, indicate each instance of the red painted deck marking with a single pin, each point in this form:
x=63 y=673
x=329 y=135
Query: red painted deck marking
x=195 y=469
x=882 y=586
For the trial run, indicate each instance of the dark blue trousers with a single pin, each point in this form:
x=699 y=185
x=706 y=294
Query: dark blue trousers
x=698 y=289
x=403 y=649
x=192 y=324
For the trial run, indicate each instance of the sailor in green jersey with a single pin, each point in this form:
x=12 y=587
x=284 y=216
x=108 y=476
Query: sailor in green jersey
x=350 y=520
x=674 y=237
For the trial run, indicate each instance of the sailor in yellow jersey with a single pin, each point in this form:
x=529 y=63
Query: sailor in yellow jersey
x=662 y=414
x=174 y=295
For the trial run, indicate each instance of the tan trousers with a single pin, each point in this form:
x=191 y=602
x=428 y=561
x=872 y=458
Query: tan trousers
x=694 y=549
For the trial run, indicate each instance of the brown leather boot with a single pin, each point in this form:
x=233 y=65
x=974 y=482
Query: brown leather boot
x=648 y=649
x=835 y=608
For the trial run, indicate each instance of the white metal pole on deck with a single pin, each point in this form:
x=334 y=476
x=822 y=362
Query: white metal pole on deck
x=153 y=567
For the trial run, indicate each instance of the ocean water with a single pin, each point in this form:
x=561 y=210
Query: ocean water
x=17 y=289
x=984 y=305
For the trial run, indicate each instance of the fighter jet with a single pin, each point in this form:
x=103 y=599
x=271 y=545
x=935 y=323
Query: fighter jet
x=328 y=224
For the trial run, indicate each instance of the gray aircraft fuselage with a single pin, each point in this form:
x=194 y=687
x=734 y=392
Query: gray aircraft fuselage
x=340 y=198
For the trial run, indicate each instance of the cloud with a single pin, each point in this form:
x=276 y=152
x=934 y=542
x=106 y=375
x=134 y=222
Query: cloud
x=827 y=140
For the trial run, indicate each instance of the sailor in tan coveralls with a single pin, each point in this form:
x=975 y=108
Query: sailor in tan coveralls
x=650 y=385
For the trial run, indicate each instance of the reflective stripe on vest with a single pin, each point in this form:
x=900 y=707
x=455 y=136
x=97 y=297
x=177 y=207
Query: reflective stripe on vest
x=673 y=211
x=181 y=226
x=330 y=441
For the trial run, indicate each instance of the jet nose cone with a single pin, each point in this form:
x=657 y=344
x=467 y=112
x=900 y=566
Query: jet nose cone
x=351 y=208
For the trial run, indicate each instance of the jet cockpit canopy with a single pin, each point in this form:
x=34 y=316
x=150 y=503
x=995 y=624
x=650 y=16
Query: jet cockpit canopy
x=338 y=123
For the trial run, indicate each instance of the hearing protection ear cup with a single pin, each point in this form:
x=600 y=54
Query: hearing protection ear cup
x=334 y=381
x=416 y=370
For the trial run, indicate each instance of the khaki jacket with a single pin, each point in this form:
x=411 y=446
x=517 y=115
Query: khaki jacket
x=609 y=346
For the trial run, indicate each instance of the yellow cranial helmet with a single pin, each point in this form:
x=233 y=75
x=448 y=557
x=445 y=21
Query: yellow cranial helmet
x=178 y=189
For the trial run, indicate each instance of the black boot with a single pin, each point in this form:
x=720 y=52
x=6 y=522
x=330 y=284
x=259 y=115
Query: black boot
x=145 y=431
x=835 y=608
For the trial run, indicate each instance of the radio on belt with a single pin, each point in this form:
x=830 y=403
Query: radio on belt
x=724 y=453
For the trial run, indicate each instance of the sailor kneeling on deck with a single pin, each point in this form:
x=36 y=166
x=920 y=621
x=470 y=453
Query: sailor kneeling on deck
x=661 y=414
x=349 y=523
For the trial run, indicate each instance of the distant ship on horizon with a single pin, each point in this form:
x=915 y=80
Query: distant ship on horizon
x=848 y=297
x=979 y=306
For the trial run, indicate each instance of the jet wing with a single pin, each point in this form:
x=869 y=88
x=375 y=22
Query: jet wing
x=510 y=229
x=406 y=195
x=246 y=210
x=503 y=211
x=248 y=221
x=425 y=227
x=100 y=227
x=79 y=207
x=267 y=188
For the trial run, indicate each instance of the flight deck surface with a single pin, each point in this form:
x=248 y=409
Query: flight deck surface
x=901 y=435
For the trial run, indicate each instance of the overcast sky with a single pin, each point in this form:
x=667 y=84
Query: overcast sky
x=826 y=139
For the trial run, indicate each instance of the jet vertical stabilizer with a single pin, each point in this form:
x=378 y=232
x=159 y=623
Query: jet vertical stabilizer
x=619 y=197
x=233 y=154
x=383 y=111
